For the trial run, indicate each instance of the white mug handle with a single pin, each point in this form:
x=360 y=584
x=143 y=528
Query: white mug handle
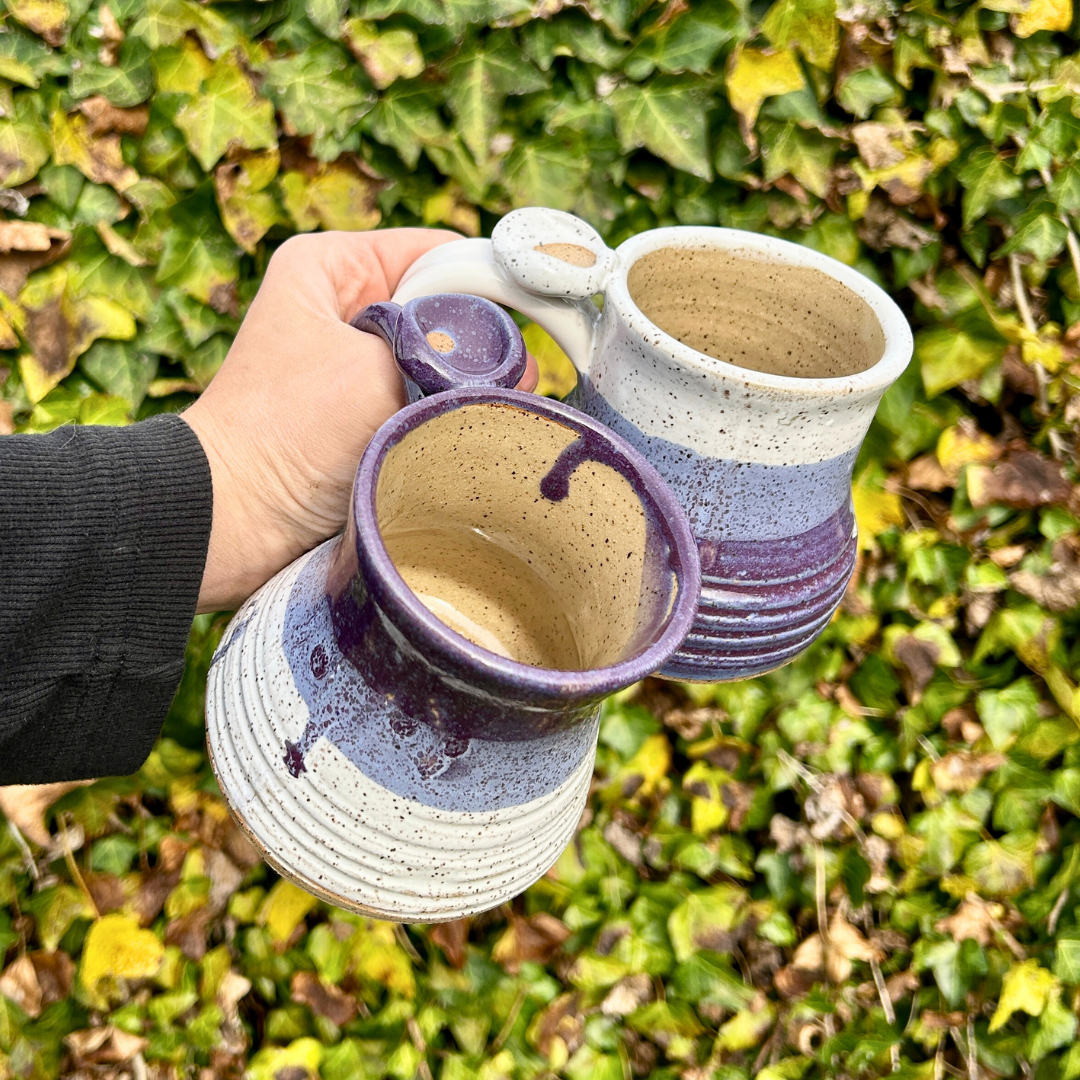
x=544 y=263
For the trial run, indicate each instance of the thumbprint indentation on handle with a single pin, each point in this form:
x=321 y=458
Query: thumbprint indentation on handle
x=441 y=342
x=556 y=484
x=574 y=254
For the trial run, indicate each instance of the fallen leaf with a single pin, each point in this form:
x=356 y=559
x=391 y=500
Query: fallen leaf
x=19 y=983
x=452 y=938
x=55 y=974
x=961 y=771
x=918 y=662
x=561 y=1022
x=103 y=1045
x=284 y=908
x=117 y=948
x=975 y=919
x=188 y=933
x=25 y=805
x=926 y=474
x=627 y=994
x=536 y=939
x=1059 y=588
x=964 y=444
x=323 y=999
x=875 y=144
x=1023 y=480
x=845 y=945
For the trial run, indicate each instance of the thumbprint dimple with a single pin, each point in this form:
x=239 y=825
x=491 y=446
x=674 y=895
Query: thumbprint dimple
x=319 y=661
x=294 y=758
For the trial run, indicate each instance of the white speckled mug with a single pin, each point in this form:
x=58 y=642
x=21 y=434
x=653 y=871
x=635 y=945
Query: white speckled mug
x=746 y=369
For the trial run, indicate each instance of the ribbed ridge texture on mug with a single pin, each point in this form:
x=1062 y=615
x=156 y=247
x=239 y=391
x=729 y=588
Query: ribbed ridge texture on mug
x=341 y=835
x=764 y=602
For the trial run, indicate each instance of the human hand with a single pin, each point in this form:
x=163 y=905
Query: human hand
x=288 y=415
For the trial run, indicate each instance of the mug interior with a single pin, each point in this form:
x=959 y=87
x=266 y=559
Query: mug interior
x=766 y=316
x=570 y=583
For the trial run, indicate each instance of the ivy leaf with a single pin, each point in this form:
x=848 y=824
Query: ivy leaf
x=688 y=43
x=480 y=81
x=1038 y=231
x=408 y=122
x=387 y=56
x=98 y=157
x=226 y=112
x=319 y=94
x=1052 y=15
x=809 y=24
x=337 y=196
x=24 y=143
x=1065 y=189
x=120 y=370
x=48 y=18
x=986 y=179
x=1008 y=713
x=200 y=260
x=545 y=172
x=754 y=75
x=125 y=83
x=947 y=357
x=666 y=116
x=1026 y=987
x=1067 y=959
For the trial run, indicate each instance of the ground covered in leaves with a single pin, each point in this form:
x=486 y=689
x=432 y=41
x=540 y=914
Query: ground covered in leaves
x=864 y=864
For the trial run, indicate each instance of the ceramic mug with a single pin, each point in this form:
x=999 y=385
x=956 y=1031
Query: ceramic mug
x=745 y=368
x=404 y=720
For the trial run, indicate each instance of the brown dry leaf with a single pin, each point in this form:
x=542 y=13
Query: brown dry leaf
x=225 y=878
x=97 y=157
x=561 y=1020
x=28 y=236
x=1059 y=588
x=535 y=939
x=974 y=919
x=55 y=975
x=329 y=1001
x=832 y=806
x=918 y=661
x=231 y=990
x=25 y=805
x=19 y=983
x=874 y=141
x=1023 y=480
x=188 y=933
x=845 y=945
x=626 y=843
x=18 y=265
x=159 y=882
x=628 y=994
x=107 y=891
x=103 y=1045
x=112 y=36
x=7 y=418
x=962 y=770
x=806 y=968
x=452 y=937
x=104 y=116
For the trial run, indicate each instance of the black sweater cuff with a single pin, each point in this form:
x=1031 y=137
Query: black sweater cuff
x=103 y=538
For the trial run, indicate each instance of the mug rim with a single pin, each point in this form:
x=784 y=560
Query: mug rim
x=760 y=247
x=413 y=618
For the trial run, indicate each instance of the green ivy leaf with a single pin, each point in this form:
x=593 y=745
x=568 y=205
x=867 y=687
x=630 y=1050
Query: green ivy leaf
x=481 y=79
x=947 y=357
x=226 y=112
x=809 y=24
x=408 y=122
x=1038 y=231
x=986 y=179
x=545 y=172
x=666 y=116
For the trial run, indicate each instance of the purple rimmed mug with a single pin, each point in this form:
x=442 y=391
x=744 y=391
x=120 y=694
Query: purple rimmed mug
x=404 y=720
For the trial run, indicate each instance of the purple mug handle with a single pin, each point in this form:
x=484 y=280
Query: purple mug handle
x=448 y=341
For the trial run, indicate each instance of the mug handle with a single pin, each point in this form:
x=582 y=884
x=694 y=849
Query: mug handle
x=544 y=263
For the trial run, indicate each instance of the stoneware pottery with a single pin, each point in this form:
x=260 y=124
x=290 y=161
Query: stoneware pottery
x=745 y=368
x=404 y=720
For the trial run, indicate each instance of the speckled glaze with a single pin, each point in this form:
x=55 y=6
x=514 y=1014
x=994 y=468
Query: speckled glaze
x=749 y=385
x=381 y=758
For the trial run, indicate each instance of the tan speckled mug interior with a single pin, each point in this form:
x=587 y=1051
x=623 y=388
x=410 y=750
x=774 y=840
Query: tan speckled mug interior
x=551 y=584
x=765 y=316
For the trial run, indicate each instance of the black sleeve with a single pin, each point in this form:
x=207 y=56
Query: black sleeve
x=103 y=537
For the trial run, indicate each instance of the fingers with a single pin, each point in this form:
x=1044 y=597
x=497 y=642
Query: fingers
x=532 y=374
x=343 y=272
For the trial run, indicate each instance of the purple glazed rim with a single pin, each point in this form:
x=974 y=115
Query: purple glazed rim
x=416 y=622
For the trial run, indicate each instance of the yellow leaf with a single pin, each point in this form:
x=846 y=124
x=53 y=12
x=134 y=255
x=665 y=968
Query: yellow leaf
x=962 y=445
x=875 y=510
x=753 y=75
x=1025 y=988
x=283 y=909
x=97 y=157
x=336 y=197
x=450 y=207
x=247 y=211
x=557 y=374
x=301 y=1057
x=116 y=947
x=45 y=17
x=181 y=68
x=378 y=956
x=8 y=338
x=652 y=763
x=1043 y=15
